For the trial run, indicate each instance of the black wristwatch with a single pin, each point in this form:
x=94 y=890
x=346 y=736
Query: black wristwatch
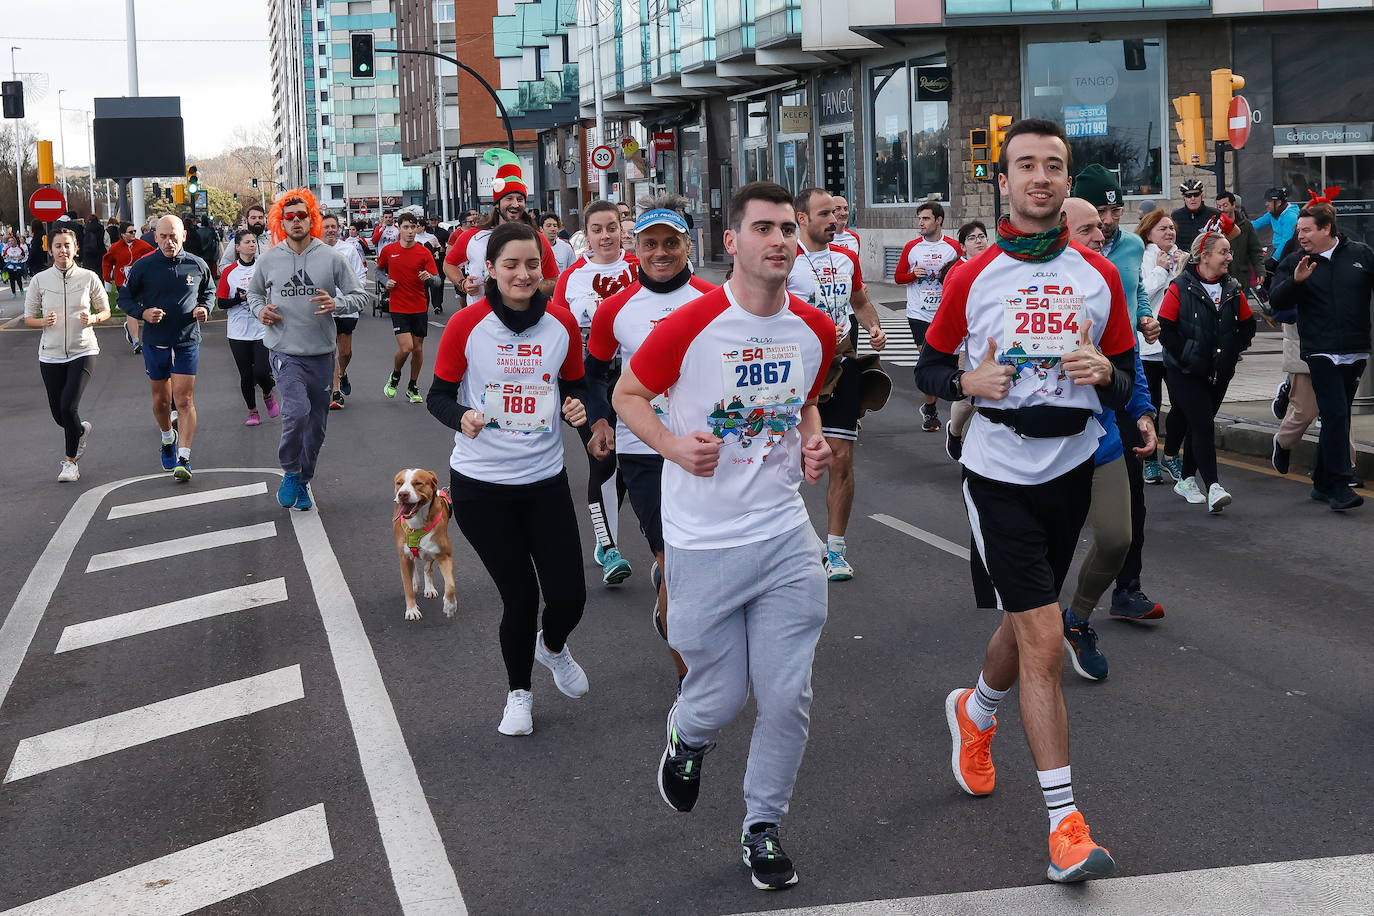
x=957 y=383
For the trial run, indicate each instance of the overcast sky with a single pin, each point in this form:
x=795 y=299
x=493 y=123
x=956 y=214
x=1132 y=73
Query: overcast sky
x=212 y=54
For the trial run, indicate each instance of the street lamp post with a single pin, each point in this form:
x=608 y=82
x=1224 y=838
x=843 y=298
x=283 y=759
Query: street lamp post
x=62 y=145
x=18 y=150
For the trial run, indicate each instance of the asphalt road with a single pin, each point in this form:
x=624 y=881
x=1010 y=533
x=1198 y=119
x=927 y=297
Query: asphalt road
x=1233 y=732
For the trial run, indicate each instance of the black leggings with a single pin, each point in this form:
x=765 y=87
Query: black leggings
x=1197 y=400
x=255 y=367
x=16 y=278
x=600 y=472
x=526 y=536
x=65 y=382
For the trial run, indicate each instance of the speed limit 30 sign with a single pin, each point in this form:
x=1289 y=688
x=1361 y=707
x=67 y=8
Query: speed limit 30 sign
x=603 y=157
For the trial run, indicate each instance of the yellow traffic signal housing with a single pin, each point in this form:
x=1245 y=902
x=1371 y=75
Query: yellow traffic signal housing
x=1224 y=85
x=1192 y=147
x=997 y=135
x=179 y=193
x=45 y=171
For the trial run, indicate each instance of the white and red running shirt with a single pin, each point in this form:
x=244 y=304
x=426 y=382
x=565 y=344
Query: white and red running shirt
x=622 y=323
x=826 y=279
x=923 y=295
x=470 y=250
x=585 y=284
x=384 y=235
x=744 y=379
x=513 y=379
x=847 y=238
x=239 y=321
x=1034 y=312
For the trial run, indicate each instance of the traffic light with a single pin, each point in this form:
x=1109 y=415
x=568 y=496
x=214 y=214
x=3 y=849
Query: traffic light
x=1192 y=147
x=168 y=192
x=192 y=180
x=980 y=168
x=179 y=193
x=12 y=93
x=157 y=191
x=997 y=135
x=364 y=67
x=1224 y=83
x=255 y=182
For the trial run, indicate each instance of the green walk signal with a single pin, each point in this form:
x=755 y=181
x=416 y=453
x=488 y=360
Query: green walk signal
x=980 y=171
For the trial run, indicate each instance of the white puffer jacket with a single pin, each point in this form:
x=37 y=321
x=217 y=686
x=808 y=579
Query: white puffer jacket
x=68 y=295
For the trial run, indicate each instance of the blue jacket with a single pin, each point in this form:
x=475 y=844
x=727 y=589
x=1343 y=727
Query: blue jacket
x=175 y=285
x=1109 y=447
x=1283 y=227
x=1127 y=251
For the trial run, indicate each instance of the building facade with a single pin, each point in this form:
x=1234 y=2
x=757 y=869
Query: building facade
x=291 y=105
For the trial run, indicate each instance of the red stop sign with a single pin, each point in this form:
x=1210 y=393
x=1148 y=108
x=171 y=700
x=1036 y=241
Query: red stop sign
x=1238 y=122
x=47 y=204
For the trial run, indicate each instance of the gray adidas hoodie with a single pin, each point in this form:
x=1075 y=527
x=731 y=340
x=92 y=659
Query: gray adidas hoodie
x=288 y=281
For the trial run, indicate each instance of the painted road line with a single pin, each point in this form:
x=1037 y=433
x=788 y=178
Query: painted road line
x=161 y=550
x=174 y=613
x=201 y=875
x=1339 y=885
x=420 y=869
x=163 y=719
x=196 y=498
x=921 y=534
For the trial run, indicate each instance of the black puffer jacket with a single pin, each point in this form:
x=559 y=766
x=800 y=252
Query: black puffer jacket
x=1204 y=340
x=1333 y=303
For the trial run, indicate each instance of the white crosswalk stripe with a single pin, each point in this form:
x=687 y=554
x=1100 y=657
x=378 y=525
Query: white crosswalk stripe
x=901 y=349
x=160 y=550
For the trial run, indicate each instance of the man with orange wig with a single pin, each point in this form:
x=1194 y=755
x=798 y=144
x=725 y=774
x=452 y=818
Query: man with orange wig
x=299 y=287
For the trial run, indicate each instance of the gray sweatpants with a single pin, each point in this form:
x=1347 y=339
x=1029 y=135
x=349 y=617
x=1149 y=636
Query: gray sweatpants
x=743 y=615
x=303 y=384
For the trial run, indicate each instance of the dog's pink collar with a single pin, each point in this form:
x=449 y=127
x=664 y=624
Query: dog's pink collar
x=415 y=535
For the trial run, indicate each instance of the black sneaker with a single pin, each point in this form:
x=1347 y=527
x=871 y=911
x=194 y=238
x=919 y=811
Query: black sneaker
x=1280 y=457
x=771 y=867
x=954 y=445
x=1345 y=498
x=679 y=770
x=1081 y=640
x=930 y=418
x=1279 y=406
x=1131 y=604
x=658 y=624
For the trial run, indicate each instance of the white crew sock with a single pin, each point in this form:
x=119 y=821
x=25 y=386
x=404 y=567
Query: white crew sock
x=834 y=542
x=1057 y=787
x=184 y=452
x=168 y=437
x=982 y=703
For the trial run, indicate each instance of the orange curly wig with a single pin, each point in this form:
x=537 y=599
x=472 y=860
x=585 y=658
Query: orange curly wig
x=295 y=194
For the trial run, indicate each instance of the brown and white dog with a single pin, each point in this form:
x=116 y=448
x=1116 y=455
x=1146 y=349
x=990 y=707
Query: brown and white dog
x=421 y=528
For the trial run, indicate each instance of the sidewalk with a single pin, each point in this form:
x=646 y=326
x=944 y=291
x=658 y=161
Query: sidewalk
x=1244 y=424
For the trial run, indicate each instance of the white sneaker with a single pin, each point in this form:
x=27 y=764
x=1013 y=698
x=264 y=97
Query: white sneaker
x=1217 y=498
x=68 y=472
x=568 y=675
x=85 y=436
x=518 y=719
x=1188 y=489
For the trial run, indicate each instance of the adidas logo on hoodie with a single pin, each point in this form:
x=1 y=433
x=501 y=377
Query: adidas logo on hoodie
x=300 y=284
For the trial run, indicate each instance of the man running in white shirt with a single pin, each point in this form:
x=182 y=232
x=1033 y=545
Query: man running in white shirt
x=742 y=368
x=844 y=236
x=919 y=268
x=343 y=326
x=828 y=277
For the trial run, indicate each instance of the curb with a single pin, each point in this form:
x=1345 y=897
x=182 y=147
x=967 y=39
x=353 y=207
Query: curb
x=1255 y=438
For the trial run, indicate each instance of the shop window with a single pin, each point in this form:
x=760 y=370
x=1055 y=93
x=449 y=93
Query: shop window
x=1112 y=108
x=793 y=126
x=908 y=138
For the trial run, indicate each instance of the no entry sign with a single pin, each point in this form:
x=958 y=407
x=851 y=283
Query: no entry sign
x=1238 y=122
x=47 y=204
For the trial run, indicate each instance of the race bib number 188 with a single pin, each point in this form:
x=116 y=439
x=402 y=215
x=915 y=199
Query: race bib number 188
x=525 y=407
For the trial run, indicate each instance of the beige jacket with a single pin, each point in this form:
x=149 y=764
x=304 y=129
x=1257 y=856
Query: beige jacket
x=79 y=290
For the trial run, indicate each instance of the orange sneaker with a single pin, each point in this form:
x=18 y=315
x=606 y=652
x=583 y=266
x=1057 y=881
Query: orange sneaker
x=972 y=757
x=1073 y=854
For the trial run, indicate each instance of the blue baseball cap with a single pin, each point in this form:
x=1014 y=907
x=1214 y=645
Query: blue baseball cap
x=661 y=217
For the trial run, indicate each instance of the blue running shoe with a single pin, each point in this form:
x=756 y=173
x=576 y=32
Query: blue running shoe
x=303 y=501
x=182 y=471
x=837 y=568
x=1081 y=640
x=345 y=385
x=615 y=568
x=169 y=453
x=656 y=576
x=599 y=555
x=289 y=490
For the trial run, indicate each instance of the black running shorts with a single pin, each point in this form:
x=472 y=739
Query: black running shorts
x=840 y=412
x=345 y=325
x=918 y=330
x=416 y=324
x=1024 y=536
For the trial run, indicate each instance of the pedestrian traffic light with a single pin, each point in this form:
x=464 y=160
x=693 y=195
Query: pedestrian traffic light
x=1224 y=83
x=997 y=135
x=364 y=67
x=192 y=180
x=980 y=168
x=12 y=93
x=1192 y=146
x=179 y=193
x=236 y=197
x=255 y=182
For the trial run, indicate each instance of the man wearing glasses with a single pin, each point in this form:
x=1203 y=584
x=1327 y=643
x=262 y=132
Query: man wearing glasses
x=1191 y=218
